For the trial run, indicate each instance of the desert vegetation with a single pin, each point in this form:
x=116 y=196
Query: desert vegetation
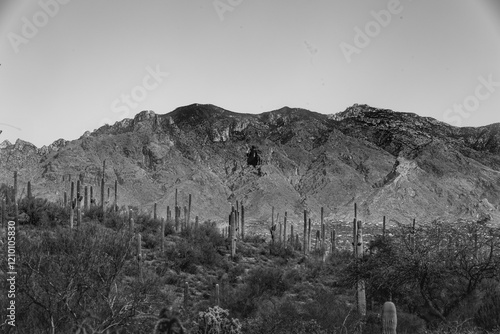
x=98 y=268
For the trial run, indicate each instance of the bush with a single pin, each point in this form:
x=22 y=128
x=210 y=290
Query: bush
x=198 y=248
x=280 y=250
x=488 y=315
x=69 y=272
x=258 y=284
x=41 y=212
x=216 y=321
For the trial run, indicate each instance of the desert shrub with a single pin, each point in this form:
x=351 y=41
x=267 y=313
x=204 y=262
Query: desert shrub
x=63 y=274
x=266 y=280
x=409 y=324
x=150 y=241
x=234 y=272
x=200 y=248
x=259 y=283
x=280 y=250
x=41 y=212
x=255 y=239
x=488 y=315
x=292 y=277
x=114 y=220
x=282 y=317
x=216 y=321
x=145 y=224
x=94 y=213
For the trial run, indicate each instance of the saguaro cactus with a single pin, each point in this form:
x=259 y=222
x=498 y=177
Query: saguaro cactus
x=232 y=234
x=162 y=235
x=28 y=192
x=102 y=199
x=16 y=209
x=189 y=211
x=389 y=318
x=115 y=203
x=361 y=284
x=305 y=231
x=323 y=228
x=72 y=205
x=309 y=236
x=92 y=196
x=412 y=236
x=333 y=234
x=217 y=295
x=186 y=295
x=130 y=221
x=78 y=202
x=242 y=222
x=139 y=254
x=354 y=231
x=85 y=198
x=284 y=228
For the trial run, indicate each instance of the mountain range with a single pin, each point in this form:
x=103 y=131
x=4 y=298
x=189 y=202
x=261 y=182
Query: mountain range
x=393 y=164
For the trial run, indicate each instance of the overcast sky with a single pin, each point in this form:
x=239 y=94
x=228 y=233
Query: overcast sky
x=71 y=66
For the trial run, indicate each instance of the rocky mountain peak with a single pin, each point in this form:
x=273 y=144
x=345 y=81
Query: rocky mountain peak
x=391 y=163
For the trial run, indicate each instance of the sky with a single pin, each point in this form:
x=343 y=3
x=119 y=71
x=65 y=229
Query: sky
x=68 y=66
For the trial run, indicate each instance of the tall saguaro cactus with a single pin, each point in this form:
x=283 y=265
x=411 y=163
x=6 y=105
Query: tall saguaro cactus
x=232 y=234
x=130 y=221
x=102 y=190
x=305 y=231
x=412 y=236
x=72 y=205
x=309 y=236
x=139 y=254
x=186 y=295
x=16 y=209
x=361 y=284
x=28 y=192
x=242 y=222
x=115 y=204
x=333 y=240
x=78 y=202
x=284 y=229
x=389 y=318
x=322 y=229
x=217 y=294
x=354 y=230
x=162 y=235
x=85 y=199
x=189 y=211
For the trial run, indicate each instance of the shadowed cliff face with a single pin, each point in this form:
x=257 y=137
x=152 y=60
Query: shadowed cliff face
x=390 y=163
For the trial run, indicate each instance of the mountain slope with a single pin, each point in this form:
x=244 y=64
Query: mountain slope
x=390 y=163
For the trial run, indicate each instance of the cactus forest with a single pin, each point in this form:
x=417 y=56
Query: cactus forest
x=86 y=265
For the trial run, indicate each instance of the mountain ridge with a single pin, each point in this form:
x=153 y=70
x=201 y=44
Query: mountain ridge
x=391 y=163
